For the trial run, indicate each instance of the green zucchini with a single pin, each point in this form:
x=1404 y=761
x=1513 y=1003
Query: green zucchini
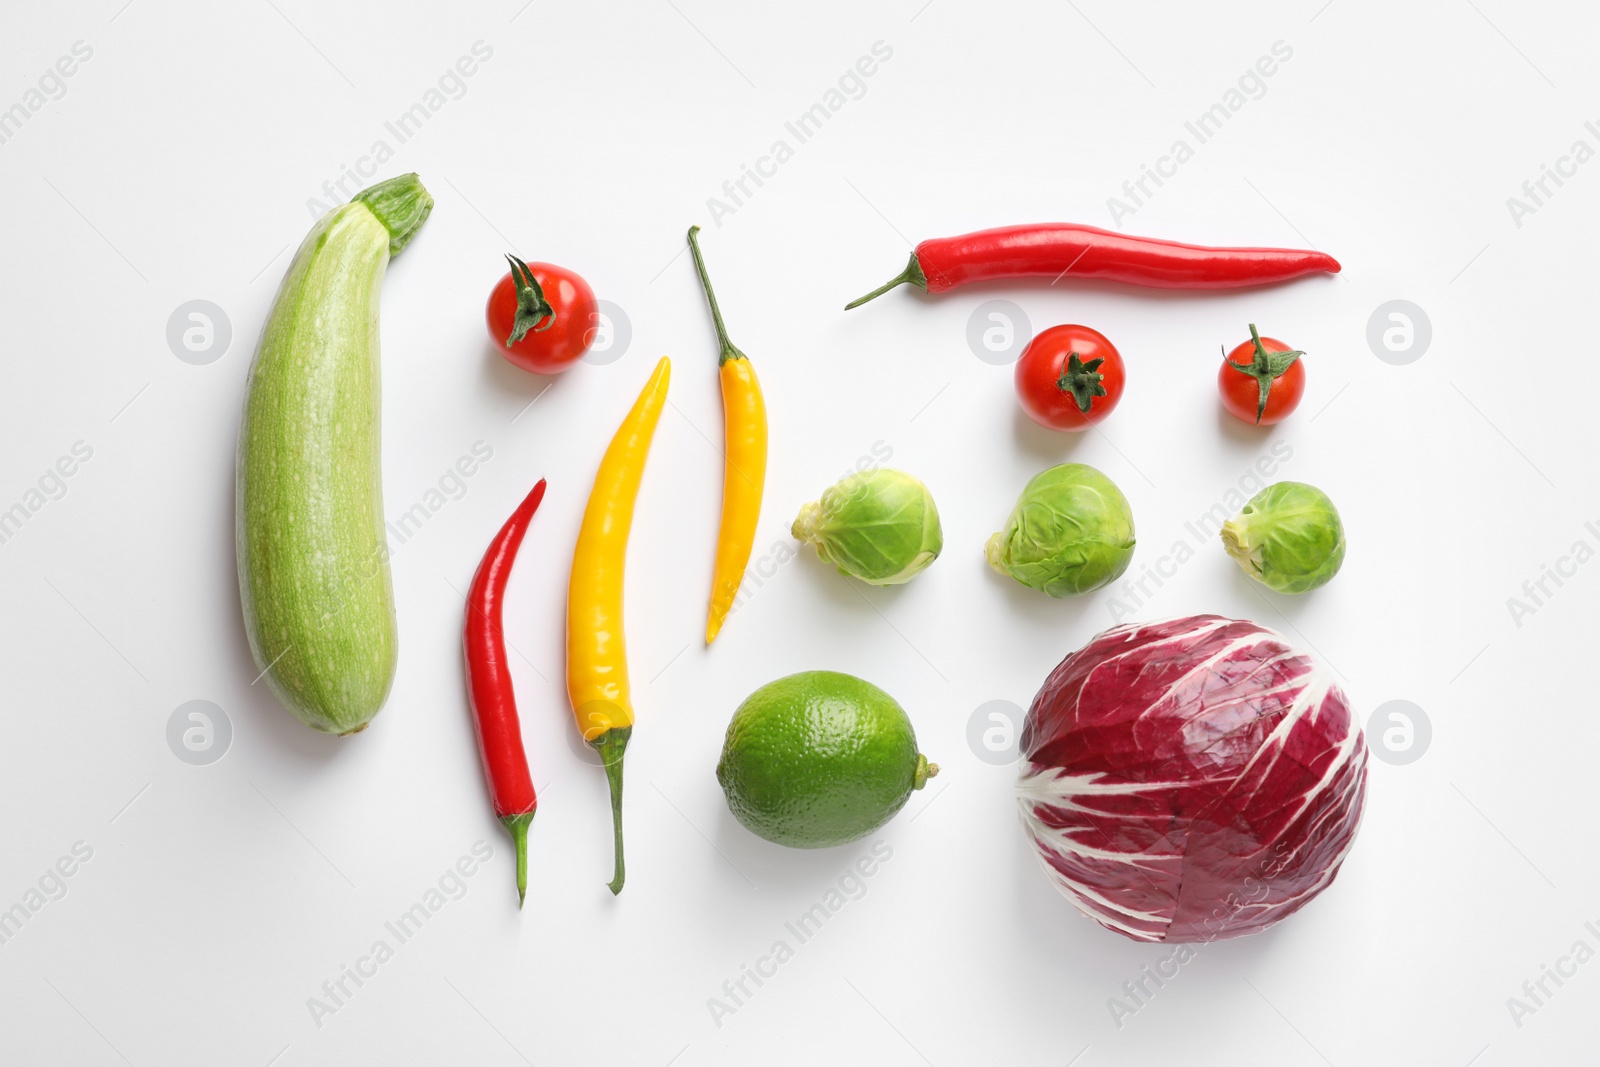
x=309 y=528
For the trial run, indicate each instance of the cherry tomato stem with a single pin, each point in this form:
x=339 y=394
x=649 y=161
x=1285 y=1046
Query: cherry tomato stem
x=532 y=307
x=542 y=317
x=1261 y=380
x=1069 y=378
x=1081 y=380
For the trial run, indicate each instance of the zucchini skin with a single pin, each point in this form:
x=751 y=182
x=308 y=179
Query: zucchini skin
x=313 y=556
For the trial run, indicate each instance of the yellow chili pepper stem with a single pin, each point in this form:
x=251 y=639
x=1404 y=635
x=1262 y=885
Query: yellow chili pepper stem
x=611 y=745
x=729 y=351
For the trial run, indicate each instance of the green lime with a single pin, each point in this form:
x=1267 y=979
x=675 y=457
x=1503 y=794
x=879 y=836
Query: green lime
x=819 y=759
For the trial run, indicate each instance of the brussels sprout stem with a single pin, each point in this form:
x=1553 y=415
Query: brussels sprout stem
x=994 y=552
x=729 y=351
x=804 y=527
x=1266 y=368
x=1081 y=379
x=1236 y=542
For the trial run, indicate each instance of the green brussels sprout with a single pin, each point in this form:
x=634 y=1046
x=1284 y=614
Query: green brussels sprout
x=1070 y=533
x=877 y=525
x=1288 y=537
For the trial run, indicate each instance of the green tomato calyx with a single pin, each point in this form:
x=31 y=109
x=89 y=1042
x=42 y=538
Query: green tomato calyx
x=532 y=307
x=1082 y=380
x=1266 y=368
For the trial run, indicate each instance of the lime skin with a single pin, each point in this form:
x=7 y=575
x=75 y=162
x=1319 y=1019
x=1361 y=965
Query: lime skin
x=819 y=759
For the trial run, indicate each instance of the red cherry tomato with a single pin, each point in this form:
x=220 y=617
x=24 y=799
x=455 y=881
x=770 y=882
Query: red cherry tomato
x=1069 y=378
x=1262 y=380
x=542 y=317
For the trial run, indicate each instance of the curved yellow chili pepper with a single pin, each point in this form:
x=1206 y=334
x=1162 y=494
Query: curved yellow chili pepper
x=744 y=470
x=597 y=655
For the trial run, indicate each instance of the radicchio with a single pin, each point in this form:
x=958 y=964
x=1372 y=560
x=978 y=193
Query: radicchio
x=1191 y=780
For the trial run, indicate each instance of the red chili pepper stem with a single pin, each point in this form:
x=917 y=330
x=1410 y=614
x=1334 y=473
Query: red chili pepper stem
x=532 y=307
x=1266 y=368
x=913 y=274
x=1081 y=380
x=517 y=826
x=611 y=745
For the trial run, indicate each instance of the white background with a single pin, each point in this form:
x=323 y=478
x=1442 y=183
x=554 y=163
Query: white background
x=219 y=898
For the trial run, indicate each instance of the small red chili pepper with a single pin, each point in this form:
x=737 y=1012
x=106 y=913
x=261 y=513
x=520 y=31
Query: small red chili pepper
x=1054 y=249
x=489 y=690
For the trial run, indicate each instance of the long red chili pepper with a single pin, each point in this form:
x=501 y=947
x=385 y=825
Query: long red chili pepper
x=1054 y=249
x=494 y=704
